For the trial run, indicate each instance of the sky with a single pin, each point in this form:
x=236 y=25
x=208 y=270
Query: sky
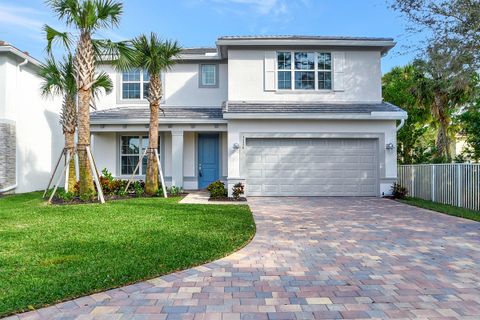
x=200 y=22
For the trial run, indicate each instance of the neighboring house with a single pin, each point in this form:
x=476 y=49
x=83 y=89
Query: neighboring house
x=30 y=134
x=286 y=115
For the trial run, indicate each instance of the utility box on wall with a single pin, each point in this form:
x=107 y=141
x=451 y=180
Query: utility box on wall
x=7 y=154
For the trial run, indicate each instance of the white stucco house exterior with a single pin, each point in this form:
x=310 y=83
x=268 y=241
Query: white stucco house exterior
x=285 y=115
x=31 y=137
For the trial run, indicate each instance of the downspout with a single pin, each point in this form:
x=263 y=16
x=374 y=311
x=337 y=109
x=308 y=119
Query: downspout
x=19 y=66
x=400 y=126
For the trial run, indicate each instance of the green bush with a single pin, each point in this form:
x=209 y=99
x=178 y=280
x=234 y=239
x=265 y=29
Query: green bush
x=65 y=196
x=175 y=191
x=217 y=190
x=399 y=191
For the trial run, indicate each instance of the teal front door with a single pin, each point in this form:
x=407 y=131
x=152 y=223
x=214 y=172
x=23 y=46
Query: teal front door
x=208 y=159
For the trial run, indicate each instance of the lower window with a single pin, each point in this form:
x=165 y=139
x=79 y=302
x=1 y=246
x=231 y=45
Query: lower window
x=131 y=149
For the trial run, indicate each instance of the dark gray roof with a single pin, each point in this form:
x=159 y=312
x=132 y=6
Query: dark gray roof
x=243 y=107
x=142 y=114
x=301 y=37
x=199 y=50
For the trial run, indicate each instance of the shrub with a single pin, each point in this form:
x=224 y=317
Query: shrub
x=65 y=196
x=175 y=191
x=238 y=190
x=217 y=190
x=399 y=191
x=139 y=188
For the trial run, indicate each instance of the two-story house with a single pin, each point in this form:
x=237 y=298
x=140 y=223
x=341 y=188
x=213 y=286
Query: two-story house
x=286 y=115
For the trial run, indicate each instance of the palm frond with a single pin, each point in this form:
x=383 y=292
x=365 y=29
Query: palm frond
x=108 y=13
x=54 y=36
x=50 y=74
x=102 y=82
x=154 y=54
x=68 y=10
x=120 y=53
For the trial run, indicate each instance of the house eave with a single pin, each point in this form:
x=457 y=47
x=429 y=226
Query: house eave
x=319 y=116
x=161 y=121
x=383 y=45
x=18 y=53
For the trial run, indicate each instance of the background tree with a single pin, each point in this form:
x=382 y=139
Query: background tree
x=154 y=56
x=415 y=137
x=443 y=84
x=87 y=17
x=456 y=22
x=469 y=123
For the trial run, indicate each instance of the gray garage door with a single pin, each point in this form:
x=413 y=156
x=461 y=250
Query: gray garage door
x=311 y=167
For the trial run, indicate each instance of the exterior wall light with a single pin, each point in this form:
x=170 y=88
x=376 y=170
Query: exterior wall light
x=236 y=146
x=389 y=146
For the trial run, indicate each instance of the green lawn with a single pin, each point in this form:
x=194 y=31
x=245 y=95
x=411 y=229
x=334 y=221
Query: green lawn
x=50 y=253
x=444 y=208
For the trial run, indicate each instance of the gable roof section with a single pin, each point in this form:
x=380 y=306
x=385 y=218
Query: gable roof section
x=303 y=110
x=9 y=48
x=141 y=115
x=382 y=44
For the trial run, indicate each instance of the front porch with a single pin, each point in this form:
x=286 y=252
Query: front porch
x=193 y=151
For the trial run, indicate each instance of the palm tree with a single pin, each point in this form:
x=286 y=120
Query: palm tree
x=154 y=55
x=59 y=80
x=87 y=17
x=443 y=84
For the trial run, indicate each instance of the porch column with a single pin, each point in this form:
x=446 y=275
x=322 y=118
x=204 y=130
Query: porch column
x=177 y=158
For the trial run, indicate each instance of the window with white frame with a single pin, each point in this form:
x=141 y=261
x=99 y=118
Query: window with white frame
x=132 y=148
x=135 y=84
x=208 y=75
x=301 y=70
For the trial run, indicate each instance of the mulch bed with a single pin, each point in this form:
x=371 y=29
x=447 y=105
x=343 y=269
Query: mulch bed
x=77 y=200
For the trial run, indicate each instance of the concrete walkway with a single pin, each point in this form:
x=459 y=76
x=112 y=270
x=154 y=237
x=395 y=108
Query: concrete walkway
x=323 y=258
x=202 y=196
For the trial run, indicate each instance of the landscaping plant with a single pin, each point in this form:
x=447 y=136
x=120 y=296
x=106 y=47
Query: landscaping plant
x=399 y=191
x=217 y=190
x=237 y=190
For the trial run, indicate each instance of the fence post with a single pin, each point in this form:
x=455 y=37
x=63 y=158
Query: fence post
x=459 y=189
x=412 y=178
x=433 y=182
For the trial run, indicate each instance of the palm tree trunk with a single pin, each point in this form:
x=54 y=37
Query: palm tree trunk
x=151 y=177
x=70 y=146
x=68 y=119
x=85 y=68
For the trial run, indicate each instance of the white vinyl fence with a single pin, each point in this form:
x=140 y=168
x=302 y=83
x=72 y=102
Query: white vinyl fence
x=456 y=184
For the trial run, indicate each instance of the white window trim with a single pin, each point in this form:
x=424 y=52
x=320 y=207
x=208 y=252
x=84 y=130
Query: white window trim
x=120 y=154
x=315 y=70
x=142 y=82
x=200 y=84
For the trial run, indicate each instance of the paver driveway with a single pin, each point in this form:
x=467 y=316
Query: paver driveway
x=316 y=258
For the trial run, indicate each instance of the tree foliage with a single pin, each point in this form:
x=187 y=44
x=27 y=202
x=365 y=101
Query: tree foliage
x=415 y=138
x=455 y=23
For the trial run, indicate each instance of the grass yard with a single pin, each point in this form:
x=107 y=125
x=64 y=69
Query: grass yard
x=52 y=253
x=443 y=208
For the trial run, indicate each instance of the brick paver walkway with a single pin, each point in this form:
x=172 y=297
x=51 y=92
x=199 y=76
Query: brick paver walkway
x=316 y=258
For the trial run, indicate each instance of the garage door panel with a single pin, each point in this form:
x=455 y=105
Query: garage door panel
x=311 y=167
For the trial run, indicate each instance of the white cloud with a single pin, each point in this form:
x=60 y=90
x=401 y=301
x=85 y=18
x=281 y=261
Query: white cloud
x=18 y=16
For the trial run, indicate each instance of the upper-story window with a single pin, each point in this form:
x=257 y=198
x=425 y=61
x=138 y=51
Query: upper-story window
x=208 y=76
x=304 y=70
x=135 y=84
